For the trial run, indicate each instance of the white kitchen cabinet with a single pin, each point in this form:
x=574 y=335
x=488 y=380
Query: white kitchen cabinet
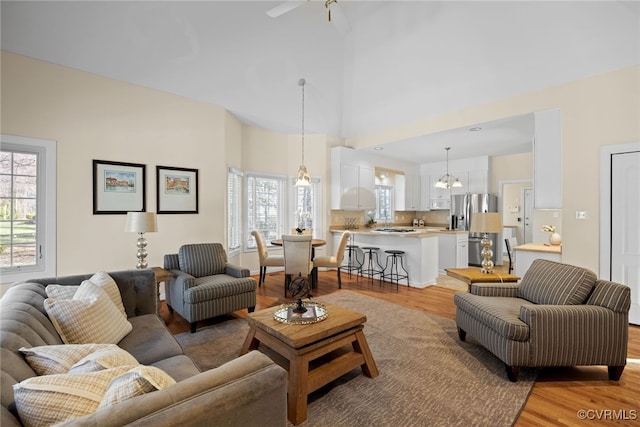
x=357 y=187
x=407 y=192
x=425 y=192
x=547 y=160
x=478 y=181
x=453 y=251
x=352 y=181
x=440 y=197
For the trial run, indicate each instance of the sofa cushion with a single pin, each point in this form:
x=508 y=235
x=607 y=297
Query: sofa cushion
x=218 y=286
x=76 y=358
x=135 y=382
x=90 y=317
x=203 y=259
x=52 y=399
x=100 y=279
x=501 y=314
x=178 y=367
x=548 y=282
x=149 y=340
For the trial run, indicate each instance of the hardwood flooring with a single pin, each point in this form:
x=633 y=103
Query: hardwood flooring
x=559 y=393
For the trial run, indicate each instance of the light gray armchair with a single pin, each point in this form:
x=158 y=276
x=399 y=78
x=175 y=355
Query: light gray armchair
x=558 y=315
x=205 y=285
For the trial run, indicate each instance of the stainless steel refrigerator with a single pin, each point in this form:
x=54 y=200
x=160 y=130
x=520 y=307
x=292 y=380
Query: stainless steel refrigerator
x=463 y=206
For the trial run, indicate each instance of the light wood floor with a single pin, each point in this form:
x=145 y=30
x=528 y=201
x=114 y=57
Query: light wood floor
x=559 y=393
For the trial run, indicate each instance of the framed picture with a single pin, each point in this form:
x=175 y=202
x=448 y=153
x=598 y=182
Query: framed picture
x=118 y=188
x=177 y=190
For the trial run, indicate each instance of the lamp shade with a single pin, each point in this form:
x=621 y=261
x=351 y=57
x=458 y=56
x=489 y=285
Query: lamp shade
x=486 y=222
x=141 y=222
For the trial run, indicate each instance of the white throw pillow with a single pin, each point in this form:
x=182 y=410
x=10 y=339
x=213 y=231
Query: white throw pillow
x=90 y=317
x=52 y=399
x=137 y=381
x=100 y=279
x=76 y=358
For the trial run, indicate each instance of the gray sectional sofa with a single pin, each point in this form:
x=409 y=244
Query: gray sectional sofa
x=249 y=390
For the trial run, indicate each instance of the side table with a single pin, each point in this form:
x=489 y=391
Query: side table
x=162 y=275
x=474 y=275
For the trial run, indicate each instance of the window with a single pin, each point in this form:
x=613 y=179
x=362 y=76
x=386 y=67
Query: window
x=384 y=202
x=234 y=211
x=265 y=207
x=27 y=208
x=307 y=207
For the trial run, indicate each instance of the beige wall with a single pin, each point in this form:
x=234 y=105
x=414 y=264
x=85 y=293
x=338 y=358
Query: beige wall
x=97 y=118
x=596 y=111
x=92 y=117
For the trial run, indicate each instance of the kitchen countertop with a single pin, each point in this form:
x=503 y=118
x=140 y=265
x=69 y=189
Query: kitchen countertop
x=539 y=247
x=421 y=232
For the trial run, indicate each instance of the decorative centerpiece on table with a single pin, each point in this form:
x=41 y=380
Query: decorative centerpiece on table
x=554 y=238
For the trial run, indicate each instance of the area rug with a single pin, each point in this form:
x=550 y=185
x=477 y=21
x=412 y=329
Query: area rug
x=427 y=376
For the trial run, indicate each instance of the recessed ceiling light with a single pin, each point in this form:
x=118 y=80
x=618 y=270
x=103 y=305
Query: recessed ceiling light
x=475 y=129
x=378 y=148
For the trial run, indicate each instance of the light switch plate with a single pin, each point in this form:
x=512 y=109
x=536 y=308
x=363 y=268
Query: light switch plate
x=581 y=214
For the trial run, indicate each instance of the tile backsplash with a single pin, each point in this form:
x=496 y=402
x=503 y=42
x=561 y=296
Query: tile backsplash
x=435 y=218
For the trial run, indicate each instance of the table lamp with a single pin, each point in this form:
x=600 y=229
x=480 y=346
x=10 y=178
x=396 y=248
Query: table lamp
x=141 y=222
x=486 y=222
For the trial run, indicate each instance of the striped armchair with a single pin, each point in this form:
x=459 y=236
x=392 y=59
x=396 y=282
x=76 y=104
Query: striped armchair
x=558 y=315
x=205 y=285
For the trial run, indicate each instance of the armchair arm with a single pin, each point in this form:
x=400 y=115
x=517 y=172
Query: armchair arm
x=236 y=270
x=494 y=289
x=570 y=335
x=249 y=391
x=182 y=280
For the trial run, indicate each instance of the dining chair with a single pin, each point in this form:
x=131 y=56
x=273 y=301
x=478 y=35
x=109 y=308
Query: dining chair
x=297 y=262
x=266 y=260
x=334 y=261
x=510 y=243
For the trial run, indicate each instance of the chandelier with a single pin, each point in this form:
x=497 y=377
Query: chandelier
x=303 y=179
x=446 y=180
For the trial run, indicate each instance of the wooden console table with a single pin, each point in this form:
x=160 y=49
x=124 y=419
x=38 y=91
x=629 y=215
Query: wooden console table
x=475 y=275
x=162 y=275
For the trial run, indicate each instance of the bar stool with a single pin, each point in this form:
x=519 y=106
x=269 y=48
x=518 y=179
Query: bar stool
x=352 y=258
x=371 y=270
x=394 y=255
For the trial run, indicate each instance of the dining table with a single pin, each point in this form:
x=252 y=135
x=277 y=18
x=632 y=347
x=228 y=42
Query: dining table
x=315 y=243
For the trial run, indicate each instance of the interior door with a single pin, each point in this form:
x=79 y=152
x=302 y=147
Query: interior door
x=625 y=227
x=527 y=203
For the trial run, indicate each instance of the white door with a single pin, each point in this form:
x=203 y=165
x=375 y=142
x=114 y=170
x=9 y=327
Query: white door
x=527 y=203
x=625 y=227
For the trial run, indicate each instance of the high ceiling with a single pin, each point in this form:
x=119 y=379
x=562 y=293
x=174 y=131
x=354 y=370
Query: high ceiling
x=399 y=62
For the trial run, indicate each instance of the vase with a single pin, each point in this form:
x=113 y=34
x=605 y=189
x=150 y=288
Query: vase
x=555 y=239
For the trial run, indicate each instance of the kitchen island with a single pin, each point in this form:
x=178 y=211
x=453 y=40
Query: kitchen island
x=420 y=247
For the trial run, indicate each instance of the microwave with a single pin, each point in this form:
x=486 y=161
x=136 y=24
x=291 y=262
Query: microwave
x=440 y=204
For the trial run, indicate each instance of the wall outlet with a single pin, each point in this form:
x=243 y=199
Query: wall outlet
x=581 y=214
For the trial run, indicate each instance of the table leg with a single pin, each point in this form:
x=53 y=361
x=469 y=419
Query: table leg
x=360 y=345
x=297 y=392
x=250 y=342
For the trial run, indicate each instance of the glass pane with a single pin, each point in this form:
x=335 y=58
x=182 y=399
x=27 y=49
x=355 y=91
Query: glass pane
x=5 y=233
x=24 y=209
x=24 y=254
x=24 y=186
x=24 y=232
x=5 y=162
x=5 y=185
x=25 y=164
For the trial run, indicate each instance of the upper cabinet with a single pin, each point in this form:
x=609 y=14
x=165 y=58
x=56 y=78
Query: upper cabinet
x=352 y=181
x=547 y=160
x=407 y=192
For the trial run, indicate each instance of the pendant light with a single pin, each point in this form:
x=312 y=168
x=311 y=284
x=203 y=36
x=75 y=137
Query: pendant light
x=303 y=179
x=445 y=180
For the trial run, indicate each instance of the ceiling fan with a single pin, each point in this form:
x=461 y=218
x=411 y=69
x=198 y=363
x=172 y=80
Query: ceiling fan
x=335 y=14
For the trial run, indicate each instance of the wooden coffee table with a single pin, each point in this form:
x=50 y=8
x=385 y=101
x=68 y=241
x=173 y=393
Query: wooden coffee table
x=474 y=275
x=339 y=338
